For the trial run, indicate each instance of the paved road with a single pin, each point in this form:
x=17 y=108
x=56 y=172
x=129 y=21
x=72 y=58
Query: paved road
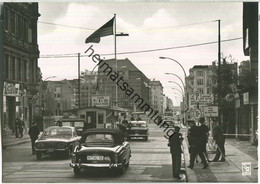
x=150 y=162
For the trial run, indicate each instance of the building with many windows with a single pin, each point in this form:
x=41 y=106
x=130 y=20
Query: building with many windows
x=20 y=62
x=156 y=95
x=133 y=78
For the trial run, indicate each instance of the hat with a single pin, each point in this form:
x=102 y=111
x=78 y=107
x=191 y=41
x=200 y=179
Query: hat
x=177 y=128
x=202 y=120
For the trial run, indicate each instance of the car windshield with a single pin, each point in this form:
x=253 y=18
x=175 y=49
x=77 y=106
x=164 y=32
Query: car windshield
x=99 y=139
x=79 y=124
x=138 y=125
x=57 y=132
x=66 y=124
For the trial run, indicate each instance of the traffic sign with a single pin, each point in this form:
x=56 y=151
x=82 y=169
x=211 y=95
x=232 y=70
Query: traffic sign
x=197 y=114
x=210 y=111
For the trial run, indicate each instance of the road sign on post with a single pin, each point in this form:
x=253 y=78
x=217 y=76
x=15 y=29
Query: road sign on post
x=197 y=114
x=197 y=96
x=210 y=111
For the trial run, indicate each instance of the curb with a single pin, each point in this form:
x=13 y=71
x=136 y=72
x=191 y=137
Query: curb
x=190 y=175
x=15 y=143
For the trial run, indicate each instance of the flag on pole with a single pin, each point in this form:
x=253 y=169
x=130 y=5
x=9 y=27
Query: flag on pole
x=105 y=30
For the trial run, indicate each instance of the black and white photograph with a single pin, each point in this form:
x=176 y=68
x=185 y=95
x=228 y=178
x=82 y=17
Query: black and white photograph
x=127 y=91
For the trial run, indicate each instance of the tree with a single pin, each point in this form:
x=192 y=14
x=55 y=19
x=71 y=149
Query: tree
x=227 y=77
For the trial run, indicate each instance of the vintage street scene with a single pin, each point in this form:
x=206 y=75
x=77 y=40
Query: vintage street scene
x=129 y=92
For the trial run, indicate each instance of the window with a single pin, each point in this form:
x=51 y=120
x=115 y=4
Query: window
x=199 y=73
x=200 y=90
x=7 y=66
x=101 y=118
x=13 y=71
x=200 y=82
x=208 y=91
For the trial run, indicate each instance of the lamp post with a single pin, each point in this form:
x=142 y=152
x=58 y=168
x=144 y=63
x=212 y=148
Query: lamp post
x=185 y=75
x=43 y=91
x=178 y=77
x=179 y=91
x=178 y=85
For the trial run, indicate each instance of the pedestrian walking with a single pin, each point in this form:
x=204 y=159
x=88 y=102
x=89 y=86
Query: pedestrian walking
x=219 y=138
x=132 y=118
x=204 y=133
x=138 y=118
x=17 y=124
x=21 y=128
x=195 y=146
x=33 y=133
x=175 y=142
x=190 y=122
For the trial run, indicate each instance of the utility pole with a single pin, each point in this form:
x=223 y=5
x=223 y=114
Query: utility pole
x=79 y=79
x=219 y=73
x=1 y=67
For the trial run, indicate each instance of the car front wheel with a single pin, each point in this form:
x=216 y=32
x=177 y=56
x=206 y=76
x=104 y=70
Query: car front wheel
x=38 y=156
x=76 y=170
x=121 y=170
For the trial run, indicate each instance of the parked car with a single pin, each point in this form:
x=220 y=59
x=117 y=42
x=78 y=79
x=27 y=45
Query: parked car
x=56 y=139
x=74 y=122
x=138 y=129
x=101 y=148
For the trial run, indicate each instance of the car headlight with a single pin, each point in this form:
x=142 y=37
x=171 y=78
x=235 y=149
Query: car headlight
x=39 y=145
x=107 y=158
x=61 y=145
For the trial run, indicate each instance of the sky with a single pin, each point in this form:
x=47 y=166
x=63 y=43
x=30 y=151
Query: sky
x=150 y=25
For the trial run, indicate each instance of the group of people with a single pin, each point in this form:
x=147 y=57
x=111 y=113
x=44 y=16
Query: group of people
x=19 y=126
x=197 y=139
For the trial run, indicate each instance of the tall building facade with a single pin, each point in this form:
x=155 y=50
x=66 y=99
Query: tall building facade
x=21 y=74
x=156 y=95
x=131 y=75
x=250 y=47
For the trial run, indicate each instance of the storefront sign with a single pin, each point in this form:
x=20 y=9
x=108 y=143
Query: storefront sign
x=11 y=89
x=100 y=101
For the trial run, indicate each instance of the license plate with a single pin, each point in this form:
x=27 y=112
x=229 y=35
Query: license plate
x=95 y=157
x=49 y=150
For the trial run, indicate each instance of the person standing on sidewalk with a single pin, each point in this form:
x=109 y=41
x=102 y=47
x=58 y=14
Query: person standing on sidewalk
x=219 y=138
x=175 y=142
x=204 y=133
x=16 y=126
x=195 y=146
x=33 y=132
x=21 y=127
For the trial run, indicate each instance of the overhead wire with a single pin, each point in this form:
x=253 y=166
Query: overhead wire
x=141 y=51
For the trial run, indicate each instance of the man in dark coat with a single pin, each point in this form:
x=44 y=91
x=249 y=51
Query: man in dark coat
x=16 y=126
x=204 y=133
x=175 y=142
x=219 y=138
x=33 y=132
x=21 y=127
x=195 y=146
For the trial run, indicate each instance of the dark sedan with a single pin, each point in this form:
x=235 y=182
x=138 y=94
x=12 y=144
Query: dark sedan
x=56 y=139
x=138 y=129
x=101 y=148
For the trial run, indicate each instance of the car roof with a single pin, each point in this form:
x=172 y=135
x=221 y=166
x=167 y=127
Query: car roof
x=137 y=121
x=60 y=127
x=103 y=130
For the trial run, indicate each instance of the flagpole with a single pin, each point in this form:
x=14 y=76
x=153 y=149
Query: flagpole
x=116 y=62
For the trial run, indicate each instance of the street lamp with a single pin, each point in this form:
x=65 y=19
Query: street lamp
x=177 y=84
x=185 y=75
x=179 y=91
x=178 y=77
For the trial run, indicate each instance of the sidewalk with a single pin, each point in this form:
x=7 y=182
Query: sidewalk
x=237 y=152
x=11 y=140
